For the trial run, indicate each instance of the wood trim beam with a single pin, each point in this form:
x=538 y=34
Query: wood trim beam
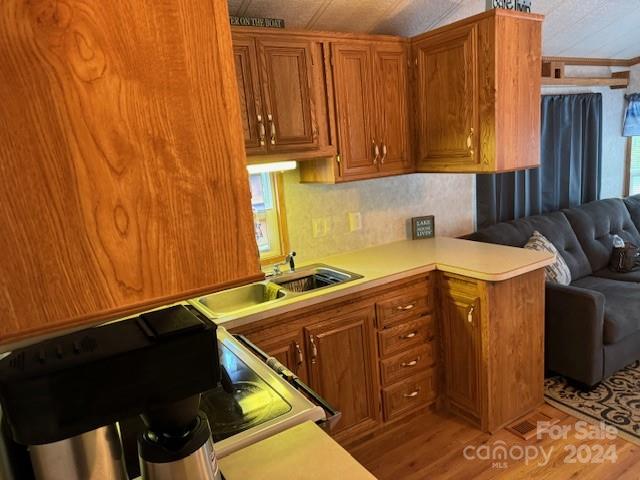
x=594 y=62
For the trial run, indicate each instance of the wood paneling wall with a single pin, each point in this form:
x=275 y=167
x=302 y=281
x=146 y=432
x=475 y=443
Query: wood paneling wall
x=122 y=165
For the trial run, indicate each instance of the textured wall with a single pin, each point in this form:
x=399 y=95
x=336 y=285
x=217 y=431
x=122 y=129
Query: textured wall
x=614 y=145
x=385 y=205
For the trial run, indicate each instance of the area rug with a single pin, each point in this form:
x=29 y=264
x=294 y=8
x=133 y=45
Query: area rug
x=615 y=401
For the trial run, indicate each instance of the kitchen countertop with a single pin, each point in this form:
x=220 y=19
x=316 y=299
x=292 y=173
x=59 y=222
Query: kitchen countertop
x=387 y=263
x=301 y=452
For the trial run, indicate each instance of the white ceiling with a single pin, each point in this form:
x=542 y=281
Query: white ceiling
x=573 y=28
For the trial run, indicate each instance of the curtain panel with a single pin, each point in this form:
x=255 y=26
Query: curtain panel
x=570 y=164
x=632 y=116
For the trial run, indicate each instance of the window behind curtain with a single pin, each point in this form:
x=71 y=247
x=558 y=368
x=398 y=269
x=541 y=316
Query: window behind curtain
x=634 y=166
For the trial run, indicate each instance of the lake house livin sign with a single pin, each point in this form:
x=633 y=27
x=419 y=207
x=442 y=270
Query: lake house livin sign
x=519 y=5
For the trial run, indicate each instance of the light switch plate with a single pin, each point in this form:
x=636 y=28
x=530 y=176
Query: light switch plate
x=355 y=221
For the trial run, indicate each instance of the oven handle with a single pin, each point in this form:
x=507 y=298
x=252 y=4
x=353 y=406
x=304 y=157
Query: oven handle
x=333 y=415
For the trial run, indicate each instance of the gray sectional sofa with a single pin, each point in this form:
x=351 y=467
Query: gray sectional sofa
x=592 y=326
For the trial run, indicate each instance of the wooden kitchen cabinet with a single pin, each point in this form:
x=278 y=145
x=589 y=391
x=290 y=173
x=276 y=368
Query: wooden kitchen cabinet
x=392 y=113
x=343 y=368
x=288 y=348
x=283 y=98
x=477 y=94
x=123 y=177
x=370 y=84
x=461 y=337
x=494 y=372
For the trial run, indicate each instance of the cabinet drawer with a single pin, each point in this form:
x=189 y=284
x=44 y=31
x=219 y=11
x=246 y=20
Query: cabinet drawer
x=407 y=364
x=405 y=306
x=412 y=393
x=411 y=334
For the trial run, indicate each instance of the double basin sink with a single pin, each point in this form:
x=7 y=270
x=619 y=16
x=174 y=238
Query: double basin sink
x=275 y=289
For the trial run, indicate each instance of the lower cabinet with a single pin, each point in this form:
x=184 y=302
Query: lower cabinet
x=493 y=342
x=380 y=356
x=287 y=348
x=342 y=368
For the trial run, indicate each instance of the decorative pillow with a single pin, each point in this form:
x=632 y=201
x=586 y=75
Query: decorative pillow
x=558 y=271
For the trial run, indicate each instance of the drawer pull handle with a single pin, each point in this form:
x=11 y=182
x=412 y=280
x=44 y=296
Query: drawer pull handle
x=412 y=394
x=408 y=336
x=299 y=354
x=400 y=308
x=412 y=363
x=314 y=349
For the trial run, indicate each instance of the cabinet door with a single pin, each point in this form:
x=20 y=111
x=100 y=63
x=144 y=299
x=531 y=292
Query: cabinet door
x=460 y=316
x=287 y=77
x=288 y=349
x=130 y=139
x=354 y=94
x=342 y=368
x=253 y=121
x=392 y=114
x=447 y=99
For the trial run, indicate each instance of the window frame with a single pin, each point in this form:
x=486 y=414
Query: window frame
x=628 y=176
x=281 y=212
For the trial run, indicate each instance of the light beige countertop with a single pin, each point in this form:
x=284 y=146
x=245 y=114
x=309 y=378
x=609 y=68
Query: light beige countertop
x=387 y=263
x=302 y=452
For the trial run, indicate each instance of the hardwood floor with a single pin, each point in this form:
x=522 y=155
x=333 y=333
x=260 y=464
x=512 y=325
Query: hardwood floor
x=433 y=447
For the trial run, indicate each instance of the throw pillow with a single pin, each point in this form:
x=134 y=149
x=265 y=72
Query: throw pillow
x=558 y=271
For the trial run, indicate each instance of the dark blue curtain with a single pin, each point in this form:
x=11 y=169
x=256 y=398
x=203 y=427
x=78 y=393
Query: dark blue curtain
x=570 y=164
x=632 y=116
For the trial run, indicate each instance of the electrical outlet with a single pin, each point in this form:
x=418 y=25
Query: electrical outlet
x=318 y=227
x=327 y=225
x=355 y=221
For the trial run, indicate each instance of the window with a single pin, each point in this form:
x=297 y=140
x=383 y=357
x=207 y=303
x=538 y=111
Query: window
x=269 y=216
x=634 y=165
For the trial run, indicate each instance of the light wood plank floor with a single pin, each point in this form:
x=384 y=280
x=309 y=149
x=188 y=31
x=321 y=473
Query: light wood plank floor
x=432 y=446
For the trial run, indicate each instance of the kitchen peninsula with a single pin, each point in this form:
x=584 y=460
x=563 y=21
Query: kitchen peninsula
x=430 y=323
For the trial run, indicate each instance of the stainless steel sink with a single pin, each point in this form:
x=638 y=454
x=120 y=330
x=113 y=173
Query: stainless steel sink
x=237 y=299
x=313 y=277
x=290 y=284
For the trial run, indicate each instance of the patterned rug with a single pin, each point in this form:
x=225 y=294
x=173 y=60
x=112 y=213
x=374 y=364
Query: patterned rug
x=615 y=401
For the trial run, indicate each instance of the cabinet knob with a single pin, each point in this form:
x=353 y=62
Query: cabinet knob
x=412 y=394
x=470 y=142
x=262 y=134
x=314 y=349
x=470 y=313
x=376 y=152
x=412 y=363
x=299 y=354
x=273 y=128
x=401 y=308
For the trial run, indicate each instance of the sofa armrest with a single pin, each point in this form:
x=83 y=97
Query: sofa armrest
x=574 y=324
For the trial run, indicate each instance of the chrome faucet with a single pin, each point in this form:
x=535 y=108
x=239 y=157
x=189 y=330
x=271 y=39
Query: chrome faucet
x=288 y=259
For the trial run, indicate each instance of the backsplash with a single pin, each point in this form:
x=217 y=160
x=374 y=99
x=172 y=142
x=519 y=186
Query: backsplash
x=385 y=206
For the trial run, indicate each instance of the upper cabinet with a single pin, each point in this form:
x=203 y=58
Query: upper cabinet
x=282 y=96
x=370 y=85
x=123 y=167
x=477 y=94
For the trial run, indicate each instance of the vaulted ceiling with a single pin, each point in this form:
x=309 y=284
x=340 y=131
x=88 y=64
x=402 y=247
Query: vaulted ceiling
x=576 y=28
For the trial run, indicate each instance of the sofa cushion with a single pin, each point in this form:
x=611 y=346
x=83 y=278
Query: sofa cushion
x=623 y=277
x=554 y=226
x=596 y=223
x=557 y=272
x=633 y=206
x=621 y=308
